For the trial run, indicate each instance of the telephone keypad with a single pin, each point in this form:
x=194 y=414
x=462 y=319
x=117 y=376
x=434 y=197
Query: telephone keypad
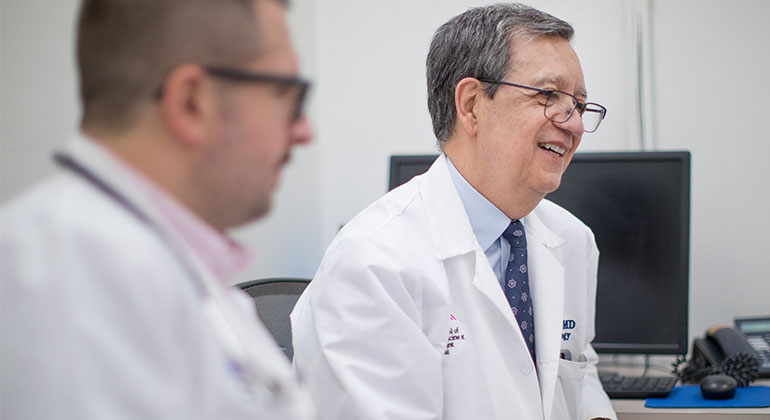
x=761 y=344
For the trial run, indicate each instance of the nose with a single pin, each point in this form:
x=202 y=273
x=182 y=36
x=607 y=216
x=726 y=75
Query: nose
x=573 y=125
x=300 y=131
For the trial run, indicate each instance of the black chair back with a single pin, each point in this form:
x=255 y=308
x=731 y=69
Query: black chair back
x=274 y=300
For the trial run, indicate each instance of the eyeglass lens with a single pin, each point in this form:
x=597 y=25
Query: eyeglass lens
x=592 y=117
x=559 y=108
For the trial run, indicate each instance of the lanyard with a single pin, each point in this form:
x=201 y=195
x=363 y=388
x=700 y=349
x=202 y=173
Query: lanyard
x=73 y=165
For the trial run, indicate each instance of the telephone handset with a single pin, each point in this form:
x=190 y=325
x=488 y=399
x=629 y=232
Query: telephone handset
x=723 y=350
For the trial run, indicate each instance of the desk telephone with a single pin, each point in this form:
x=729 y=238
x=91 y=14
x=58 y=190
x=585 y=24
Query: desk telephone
x=757 y=332
x=742 y=352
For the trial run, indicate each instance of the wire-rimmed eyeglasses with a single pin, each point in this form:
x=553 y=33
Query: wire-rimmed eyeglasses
x=559 y=106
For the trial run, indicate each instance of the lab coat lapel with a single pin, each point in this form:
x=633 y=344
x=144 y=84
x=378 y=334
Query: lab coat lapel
x=547 y=288
x=453 y=236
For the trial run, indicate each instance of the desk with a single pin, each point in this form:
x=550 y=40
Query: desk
x=635 y=410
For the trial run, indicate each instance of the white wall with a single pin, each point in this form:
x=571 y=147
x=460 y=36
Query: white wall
x=367 y=57
x=712 y=64
x=37 y=88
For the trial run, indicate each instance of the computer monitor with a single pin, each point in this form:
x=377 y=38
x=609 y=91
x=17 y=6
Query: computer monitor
x=638 y=206
x=405 y=167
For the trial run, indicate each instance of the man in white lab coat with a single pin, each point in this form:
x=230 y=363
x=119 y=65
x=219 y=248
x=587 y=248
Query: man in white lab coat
x=115 y=273
x=419 y=309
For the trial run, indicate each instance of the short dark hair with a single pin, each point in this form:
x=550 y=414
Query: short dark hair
x=476 y=44
x=126 y=48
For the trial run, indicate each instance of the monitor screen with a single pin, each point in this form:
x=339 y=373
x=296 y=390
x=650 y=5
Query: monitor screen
x=638 y=206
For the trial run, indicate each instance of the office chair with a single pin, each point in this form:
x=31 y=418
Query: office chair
x=274 y=299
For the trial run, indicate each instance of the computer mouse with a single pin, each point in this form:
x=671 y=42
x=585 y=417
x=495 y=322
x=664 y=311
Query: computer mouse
x=718 y=387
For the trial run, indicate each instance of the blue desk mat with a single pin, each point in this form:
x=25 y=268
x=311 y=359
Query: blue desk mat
x=689 y=396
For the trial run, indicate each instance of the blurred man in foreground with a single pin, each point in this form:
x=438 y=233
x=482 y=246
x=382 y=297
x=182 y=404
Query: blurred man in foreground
x=115 y=272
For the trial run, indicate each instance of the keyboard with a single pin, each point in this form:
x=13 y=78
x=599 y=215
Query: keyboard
x=640 y=387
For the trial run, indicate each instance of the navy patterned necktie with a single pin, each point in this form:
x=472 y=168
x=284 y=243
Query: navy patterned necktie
x=517 y=283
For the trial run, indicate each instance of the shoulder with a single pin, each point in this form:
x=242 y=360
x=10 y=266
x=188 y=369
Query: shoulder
x=67 y=208
x=66 y=234
x=389 y=242
x=397 y=220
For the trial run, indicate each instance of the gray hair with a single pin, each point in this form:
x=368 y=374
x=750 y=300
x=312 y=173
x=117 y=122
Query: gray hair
x=476 y=44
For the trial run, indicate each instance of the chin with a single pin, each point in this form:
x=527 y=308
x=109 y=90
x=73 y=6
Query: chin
x=261 y=209
x=255 y=212
x=550 y=184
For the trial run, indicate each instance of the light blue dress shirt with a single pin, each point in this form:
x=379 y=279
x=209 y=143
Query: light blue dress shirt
x=487 y=221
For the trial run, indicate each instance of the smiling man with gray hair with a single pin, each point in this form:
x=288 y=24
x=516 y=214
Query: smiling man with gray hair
x=463 y=294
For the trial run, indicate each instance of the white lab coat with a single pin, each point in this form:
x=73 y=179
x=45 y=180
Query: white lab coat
x=106 y=316
x=405 y=318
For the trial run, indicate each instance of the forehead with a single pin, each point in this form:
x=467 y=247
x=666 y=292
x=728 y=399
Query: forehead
x=276 y=51
x=547 y=62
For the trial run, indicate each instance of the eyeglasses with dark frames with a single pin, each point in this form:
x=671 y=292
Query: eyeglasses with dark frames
x=246 y=76
x=274 y=79
x=559 y=106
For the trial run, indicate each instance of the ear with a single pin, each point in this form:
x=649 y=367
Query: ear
x=187 y=104
x=467 y=94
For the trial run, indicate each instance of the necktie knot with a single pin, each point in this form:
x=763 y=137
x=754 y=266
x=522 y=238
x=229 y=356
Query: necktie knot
x=515 y=235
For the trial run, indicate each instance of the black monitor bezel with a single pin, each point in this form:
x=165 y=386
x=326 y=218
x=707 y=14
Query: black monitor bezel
x=399 y=161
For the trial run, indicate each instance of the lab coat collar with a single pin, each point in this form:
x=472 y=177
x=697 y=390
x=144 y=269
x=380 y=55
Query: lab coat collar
x=448 y=222
x=538 y=232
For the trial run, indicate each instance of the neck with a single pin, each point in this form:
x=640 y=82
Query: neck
x=515 y=202
x=154 y=155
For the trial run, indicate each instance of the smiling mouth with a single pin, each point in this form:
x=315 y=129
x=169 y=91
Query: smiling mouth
x=553 y=148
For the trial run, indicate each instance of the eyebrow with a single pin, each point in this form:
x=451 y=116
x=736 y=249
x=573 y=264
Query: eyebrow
x=559 y=81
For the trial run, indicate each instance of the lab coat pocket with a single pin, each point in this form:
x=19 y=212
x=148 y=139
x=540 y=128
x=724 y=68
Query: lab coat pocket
x=569 y=389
